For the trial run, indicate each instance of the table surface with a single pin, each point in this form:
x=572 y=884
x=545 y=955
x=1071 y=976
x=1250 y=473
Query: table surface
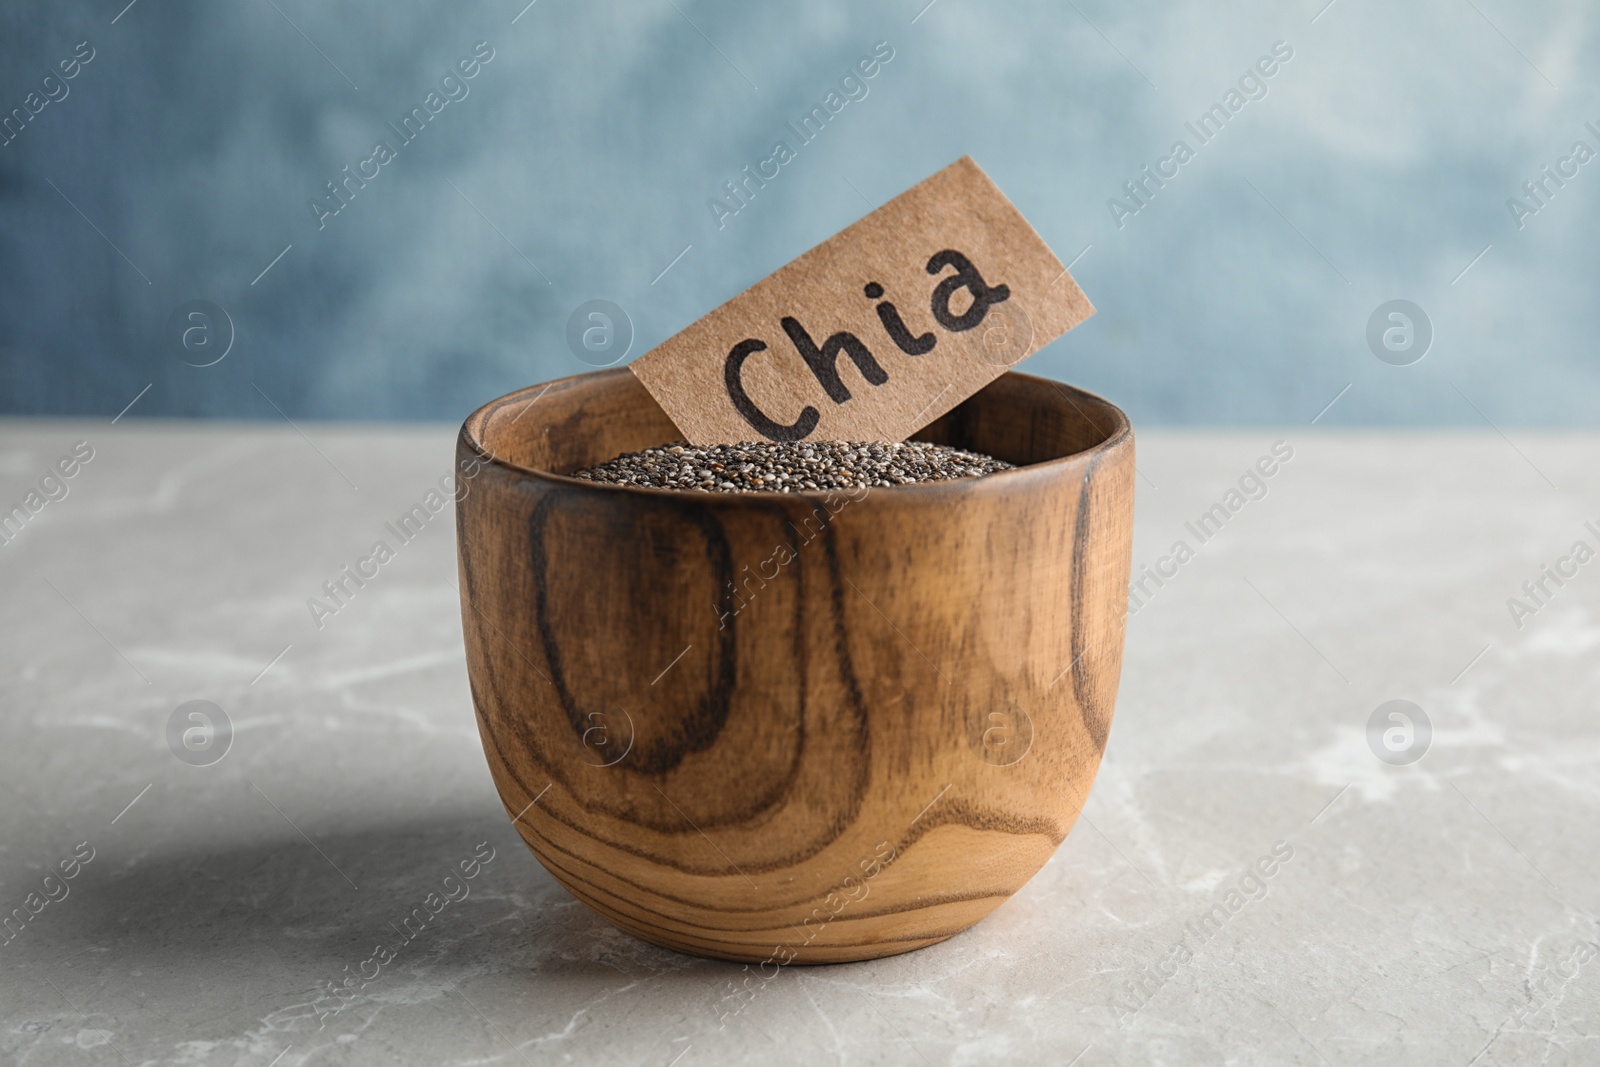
x=1439 y=912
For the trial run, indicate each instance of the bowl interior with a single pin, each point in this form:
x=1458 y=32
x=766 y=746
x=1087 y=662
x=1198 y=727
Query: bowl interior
x=578 y=422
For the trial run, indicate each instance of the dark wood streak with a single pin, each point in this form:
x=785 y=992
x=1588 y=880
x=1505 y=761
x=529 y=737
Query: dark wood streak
x=476 y=626
x=673 y=824
x=725 y=925
x=956 y=813
x=1095 y=719
x=847 y=674
x=841 y=820
x=765 y=950
x=959 y=811
x=675 y=923
x=700 y=729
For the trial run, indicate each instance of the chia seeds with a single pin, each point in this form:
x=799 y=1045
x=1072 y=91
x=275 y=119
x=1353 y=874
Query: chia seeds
x=791 y=467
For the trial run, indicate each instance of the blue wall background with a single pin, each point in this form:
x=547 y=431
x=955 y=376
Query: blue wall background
x=1378 y=165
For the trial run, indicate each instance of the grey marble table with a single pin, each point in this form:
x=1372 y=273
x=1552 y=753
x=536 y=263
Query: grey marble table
x=1249 y=883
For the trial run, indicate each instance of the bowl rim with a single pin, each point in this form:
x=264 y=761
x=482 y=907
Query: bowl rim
x=470 y=436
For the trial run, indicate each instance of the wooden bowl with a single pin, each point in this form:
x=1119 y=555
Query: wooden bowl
x=794 y=728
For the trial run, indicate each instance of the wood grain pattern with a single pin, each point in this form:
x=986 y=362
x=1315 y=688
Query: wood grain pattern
x=782 y=728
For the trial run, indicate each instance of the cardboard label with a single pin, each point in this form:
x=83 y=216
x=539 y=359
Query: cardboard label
x=877 y=331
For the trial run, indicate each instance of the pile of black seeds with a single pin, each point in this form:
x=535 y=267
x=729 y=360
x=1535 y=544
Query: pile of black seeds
x=791 y=467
